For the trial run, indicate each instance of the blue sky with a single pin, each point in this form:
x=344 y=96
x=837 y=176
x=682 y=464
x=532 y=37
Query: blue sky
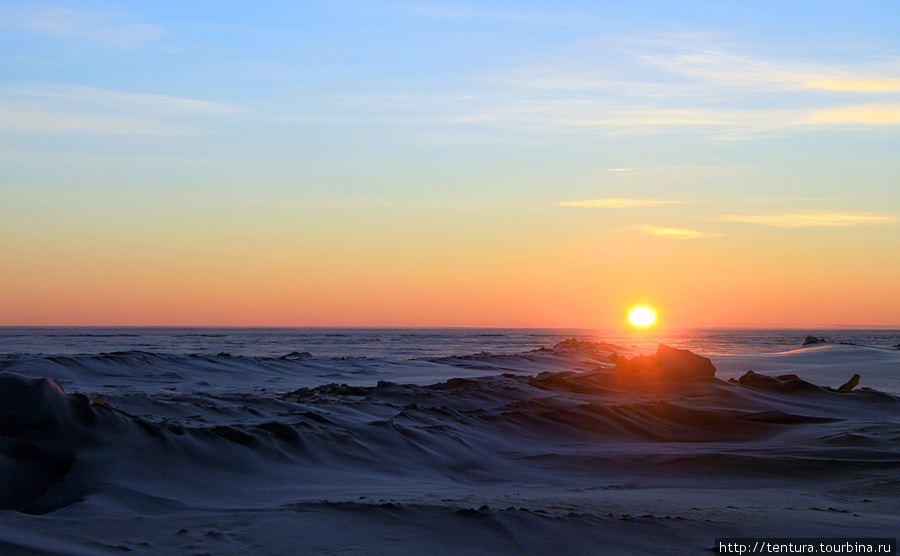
x=426 y=138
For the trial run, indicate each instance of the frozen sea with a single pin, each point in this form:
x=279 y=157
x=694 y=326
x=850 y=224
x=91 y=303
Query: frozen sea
x=442 y=441
x=405 y=343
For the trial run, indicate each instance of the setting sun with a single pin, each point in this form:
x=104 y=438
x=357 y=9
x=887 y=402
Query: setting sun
x=642 y=316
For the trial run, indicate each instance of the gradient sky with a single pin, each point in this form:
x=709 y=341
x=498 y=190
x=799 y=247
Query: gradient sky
x=449 y=163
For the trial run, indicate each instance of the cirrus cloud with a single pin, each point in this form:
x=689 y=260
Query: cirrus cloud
x=673 y=233
x=617 y=203
x=863 y=114
x=96 y=25
x=856 y=84
x=66 y=109
x=803 y=220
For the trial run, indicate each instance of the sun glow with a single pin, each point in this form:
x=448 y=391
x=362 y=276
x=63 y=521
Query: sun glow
x=642 y=316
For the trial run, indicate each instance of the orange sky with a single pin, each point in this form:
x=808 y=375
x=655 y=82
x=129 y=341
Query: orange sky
x=442 y=273
x=548 y=165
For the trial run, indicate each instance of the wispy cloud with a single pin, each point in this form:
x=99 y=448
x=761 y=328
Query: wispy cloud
x=688 y=90
x=638 y=87
x=738 y=70
x=445 y=10
x=863 y=114
x=617 y=203
x=97 y=26
x=658 y=169
x=805 y=199
x=672 y=117
x=731 y=69
x=673 y=233
x=123 y=99
x=802 y=220
x=75 y=109
x=24 y=118
x=590 y=115
x=595 y=114
x=856 y=84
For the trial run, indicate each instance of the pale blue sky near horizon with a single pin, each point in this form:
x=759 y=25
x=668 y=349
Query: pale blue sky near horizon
x=320 y=129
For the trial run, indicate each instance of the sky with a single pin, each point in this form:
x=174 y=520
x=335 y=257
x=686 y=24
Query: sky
x=515 y=164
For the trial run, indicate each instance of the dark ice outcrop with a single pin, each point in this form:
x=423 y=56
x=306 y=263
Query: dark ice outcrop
x=585 y=347
x=42 y=431
x=668 y=364
x=850 y=384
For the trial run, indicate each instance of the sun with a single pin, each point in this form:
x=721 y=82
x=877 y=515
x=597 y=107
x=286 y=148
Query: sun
x=642 y=316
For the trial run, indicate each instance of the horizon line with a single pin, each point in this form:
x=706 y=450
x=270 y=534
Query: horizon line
x=461 y=327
